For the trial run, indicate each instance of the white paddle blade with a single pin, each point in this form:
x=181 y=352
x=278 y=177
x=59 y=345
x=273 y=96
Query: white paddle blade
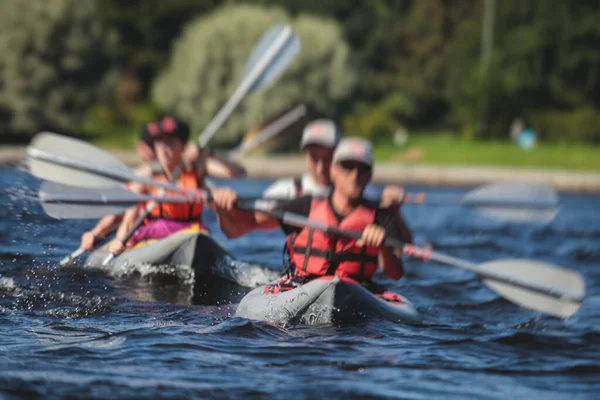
x=515 y=201
x=280 y=37
x=83 y=211
x=68 y=202
x=78 y=150
x=519 y=216
x=556 y=279
x=271 y=130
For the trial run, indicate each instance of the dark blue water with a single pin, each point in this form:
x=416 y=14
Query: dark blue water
x=83 y=333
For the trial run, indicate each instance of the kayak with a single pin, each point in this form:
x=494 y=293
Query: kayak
x=218 y=277
x=325 y=300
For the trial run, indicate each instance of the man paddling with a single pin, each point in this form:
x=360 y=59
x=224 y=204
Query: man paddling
x=210 y=165
x=314 y=254
x=318 y=142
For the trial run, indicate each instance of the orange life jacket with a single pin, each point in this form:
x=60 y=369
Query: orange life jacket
x=178 y=212
x=314 y=253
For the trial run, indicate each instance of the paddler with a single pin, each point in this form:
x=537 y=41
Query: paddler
x=318 y=142
x=216 y=166
x=313 y=253
x=169 y=142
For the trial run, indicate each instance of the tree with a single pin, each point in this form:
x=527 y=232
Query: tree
x=54 y=66
x=147 y=29
x=207 y=60
x=544 y=59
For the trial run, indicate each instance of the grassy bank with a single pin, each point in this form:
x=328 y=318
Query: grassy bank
x=447 y=149
x=433 y=148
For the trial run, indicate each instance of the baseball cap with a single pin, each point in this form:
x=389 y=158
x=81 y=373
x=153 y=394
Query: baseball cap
x=166 y=126
x=323 y=132
x=354 y=149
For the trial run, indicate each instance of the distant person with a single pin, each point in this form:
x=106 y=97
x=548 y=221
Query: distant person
x=319 y=140
x=527 y=139
x=516 y=128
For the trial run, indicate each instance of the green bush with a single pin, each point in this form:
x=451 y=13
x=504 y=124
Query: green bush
x=103 y=125
x=55 y=64
x=207 y=60
x=380 y=121
x=580 y=125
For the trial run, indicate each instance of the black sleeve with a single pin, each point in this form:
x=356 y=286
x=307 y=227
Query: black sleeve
x=300 y=206
x=394 y=225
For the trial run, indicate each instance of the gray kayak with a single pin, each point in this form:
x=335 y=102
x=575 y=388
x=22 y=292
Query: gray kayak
x=218 y=277
x=326 y=300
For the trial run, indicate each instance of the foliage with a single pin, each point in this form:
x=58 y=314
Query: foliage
x=582 y=124
x=542 y=60
x=147 y=29
x=378 y=122
x=54 y=66
x=207 y=61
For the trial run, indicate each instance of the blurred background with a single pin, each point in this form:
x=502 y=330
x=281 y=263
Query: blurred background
x=511 y=82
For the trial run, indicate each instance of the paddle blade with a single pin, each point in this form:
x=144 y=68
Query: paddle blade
x=516 y=202
x=78 y=150
x=270 y=131
x=68 y=202
x=284 y=43
x=555 y=279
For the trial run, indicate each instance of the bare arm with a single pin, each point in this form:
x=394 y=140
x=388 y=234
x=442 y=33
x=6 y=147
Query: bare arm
x=235 y=222
x=128 y=220
x=105 y=225
x=391 y=263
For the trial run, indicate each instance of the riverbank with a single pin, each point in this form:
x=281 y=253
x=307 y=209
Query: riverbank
x=277 y=166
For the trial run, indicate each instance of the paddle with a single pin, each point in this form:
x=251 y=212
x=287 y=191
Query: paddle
x=532 y=284
x=269 y=59
x=75 y=254
x=63 y=201
x=510 y=201
x=271 y=130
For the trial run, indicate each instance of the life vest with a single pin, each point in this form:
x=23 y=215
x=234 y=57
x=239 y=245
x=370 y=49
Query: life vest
x=314 y=253
x=178 y=212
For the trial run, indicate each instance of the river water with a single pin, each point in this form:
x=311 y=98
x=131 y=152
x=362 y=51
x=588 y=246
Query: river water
x=78 y=332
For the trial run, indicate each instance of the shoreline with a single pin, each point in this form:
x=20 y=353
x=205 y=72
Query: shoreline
x=278 y=166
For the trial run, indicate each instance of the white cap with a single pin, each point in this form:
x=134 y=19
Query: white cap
x=323 y=132
x=354 y=149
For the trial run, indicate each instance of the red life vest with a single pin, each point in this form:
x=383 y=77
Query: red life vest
x=314 y=253
x=178 y=212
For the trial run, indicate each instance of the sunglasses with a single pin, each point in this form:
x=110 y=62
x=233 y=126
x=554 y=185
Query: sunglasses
x=350 y=166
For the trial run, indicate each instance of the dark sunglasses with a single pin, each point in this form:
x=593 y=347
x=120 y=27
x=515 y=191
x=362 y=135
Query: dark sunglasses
x=361 y=168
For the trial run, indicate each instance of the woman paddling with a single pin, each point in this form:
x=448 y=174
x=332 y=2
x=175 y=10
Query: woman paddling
x=168 y=139
x=212 y=165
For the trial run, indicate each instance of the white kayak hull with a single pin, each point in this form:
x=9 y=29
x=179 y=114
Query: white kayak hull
x=327 y=300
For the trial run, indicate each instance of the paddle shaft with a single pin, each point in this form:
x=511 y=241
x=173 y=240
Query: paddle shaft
x=244 y=88
x=458 y=200
x=97 y=242
x=271 y=130
x=95 y=169
x=413 y=251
